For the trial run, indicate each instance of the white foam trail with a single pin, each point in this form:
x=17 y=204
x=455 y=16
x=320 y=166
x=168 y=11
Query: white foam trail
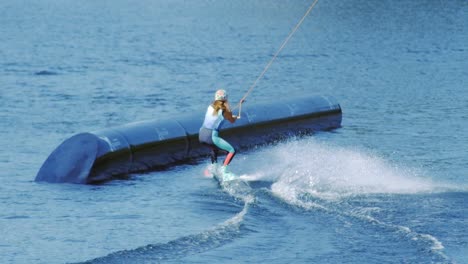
x=237 y=189
x=331 y=172
x=239 y=217
x=434 y=244
x=252 y=177
x=313 y=175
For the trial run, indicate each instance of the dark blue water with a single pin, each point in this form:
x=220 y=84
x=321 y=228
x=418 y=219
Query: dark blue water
x=388 y=187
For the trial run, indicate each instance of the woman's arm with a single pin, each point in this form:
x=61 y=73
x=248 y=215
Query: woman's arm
x=228 y=114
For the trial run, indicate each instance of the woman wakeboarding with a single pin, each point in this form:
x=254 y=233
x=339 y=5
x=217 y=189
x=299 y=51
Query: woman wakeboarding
x=216 y=114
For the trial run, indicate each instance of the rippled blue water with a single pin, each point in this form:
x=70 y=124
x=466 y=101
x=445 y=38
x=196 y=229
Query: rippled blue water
x=388 y=187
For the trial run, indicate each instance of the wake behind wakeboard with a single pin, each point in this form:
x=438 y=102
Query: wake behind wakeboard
x=229 y=181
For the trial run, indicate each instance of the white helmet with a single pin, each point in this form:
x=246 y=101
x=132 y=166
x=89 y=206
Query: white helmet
x=221 y=95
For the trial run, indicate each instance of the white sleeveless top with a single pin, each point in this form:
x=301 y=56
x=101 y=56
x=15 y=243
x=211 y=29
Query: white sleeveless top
x=213 y=122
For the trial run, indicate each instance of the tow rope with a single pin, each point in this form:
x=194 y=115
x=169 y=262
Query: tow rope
x=274 y=57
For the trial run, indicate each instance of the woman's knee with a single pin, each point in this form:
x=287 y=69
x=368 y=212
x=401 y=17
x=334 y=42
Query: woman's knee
x=232 y=150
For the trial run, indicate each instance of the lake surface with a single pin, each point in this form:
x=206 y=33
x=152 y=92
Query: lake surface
x=389 y=186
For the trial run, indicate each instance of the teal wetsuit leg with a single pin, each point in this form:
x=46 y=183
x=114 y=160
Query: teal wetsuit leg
x=224 y=145
x=221 y=143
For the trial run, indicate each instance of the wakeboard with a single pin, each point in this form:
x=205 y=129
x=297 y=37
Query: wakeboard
x=230 y=182
x=215 y=171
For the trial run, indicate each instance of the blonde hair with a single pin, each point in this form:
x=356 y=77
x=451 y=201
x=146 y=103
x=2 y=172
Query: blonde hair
x=218 y=104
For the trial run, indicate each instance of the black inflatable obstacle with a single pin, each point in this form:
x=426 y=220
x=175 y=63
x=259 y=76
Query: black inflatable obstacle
x=143 y=146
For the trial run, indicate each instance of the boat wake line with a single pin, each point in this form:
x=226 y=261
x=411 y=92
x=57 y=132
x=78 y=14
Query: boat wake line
x=179 y=248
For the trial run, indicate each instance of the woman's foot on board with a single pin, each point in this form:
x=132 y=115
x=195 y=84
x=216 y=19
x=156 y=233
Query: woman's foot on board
x=227 y=175
x=211 y=170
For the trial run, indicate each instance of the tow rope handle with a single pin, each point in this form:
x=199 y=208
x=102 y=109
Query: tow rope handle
x=240 y=108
